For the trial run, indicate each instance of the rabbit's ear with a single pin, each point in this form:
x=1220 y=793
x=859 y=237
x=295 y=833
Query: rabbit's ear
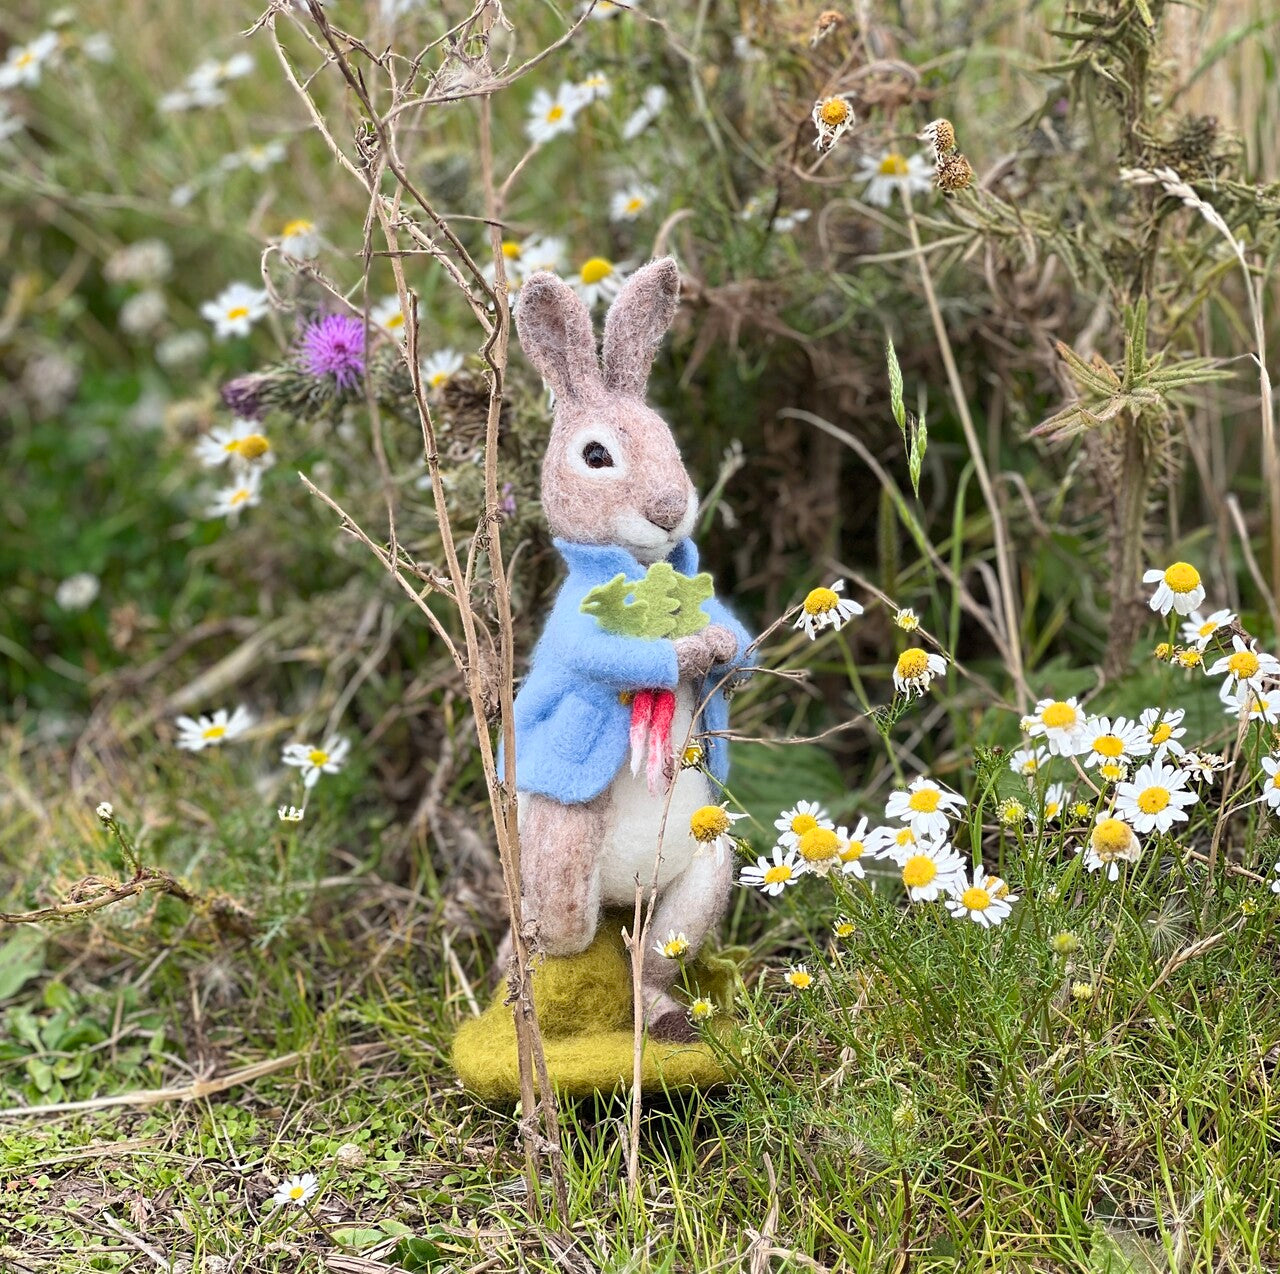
x=556 y=334
x=637 y=322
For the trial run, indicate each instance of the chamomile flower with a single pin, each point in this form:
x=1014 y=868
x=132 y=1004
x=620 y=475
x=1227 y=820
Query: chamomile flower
x=853 y=847
x=1244 y=667
x=244 y=493
x=315 y=761
x=985 y=900
x=388 y=315
x=1275 y=884
x=215 y=72
x=701 y=1009
x=608 y=9
x=1113 y=771
x=1011 y=812
x=772 y=877
x=196 y=734
x=1271 y=784
x=1257 y=705
x=1189 y=658
x=832 y=117
x=599 y=279
x=257 y=158
x=1177 y=588
x=235 y=310
x=594 y=88
x=290 y=814
x=915 y=670
x=552 y=114
x=907 y=620
x=1200 y=629
x=1164 y=728
x=1028 y=761
x=652 y=102
x=438 y=367
x=631 y=202
x=675 y=946
x=1155 y=798
x=712 y=827
x=798 y=978
x=25 y=62
x=895 y=843
x=1061 y=723
x=931 y=870
x=802 y=817
x=1055 y=800
x=825 y=608
x=300 y=240
x=78 y=592
x=1115 y=741
x=891 y=172
x=819 y=850
x=1202 y=766
x=297 y=1190
x=1111 y=843
x=844 y=928
x=925 y=806
x=239 y=443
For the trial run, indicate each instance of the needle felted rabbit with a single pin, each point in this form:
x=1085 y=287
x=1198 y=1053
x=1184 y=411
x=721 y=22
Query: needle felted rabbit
x=592 y=805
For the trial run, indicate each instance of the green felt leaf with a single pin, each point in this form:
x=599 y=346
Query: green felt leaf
x=662 y=604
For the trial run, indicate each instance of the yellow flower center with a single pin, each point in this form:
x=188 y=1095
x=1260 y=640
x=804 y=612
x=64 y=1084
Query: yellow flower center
x=820 y=601
x=1190 y=658
x=298 y=226
x=1112 y=836
x=1111 y=771
x=918 y=871
x=925 y=801
x=800 y=979
x=1162 y=733
x=1244 y=664
x=555 y=114
x=634 y=204
x=692 y=755
x=912 y=664
x=675 y=948
x=594 y=269
x=976 y=899
x=701 y=1009
x=436 y=379
x=777 y=874
x=238 y=312
x=318 y=756
x=239 y=496
x=907 y=621
x=1275 y=779
x=893 y=165
x=511 y=249
x=1109 y=745
x=1182 y=577
x=905 y=837
x=249 y=447
x=834 y=111
x=25 y=58
x=1207 y=629
x=818 y=844
x=1058 y=715
x=708 y=822
x=213 y=732
x=997 y=887
x=1164 y=651
x=844 y=929
x=803 y=823
x=1051 y=809
x=1080 y=809
x=296 y=1192
x=1151 y=800
x=396 y=320
x=854 y=850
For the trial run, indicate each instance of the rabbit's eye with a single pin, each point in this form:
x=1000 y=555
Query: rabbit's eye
x=597 y=456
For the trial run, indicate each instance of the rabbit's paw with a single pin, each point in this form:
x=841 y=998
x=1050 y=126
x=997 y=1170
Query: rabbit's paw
x=697 y=655
x=668 y=1021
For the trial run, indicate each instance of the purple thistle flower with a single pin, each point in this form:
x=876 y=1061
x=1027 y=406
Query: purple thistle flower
x=334 y=346
x=243 y=396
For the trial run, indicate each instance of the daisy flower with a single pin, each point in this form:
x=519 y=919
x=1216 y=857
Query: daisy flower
x=925 y=806
x=701 y=1009
x=239 y=442
x=844 y=928
x=300 y=240
x=1111 y=842
x=804 y=816
x=1164 y=728
x=388 y=315
x=313 y=761
x=915 y=669
x=594 y=88
x=216 y=72
x=543 y=252
x=1199 y=631
x=599 y=279
x=832 y=117
x=786 y=222
x=629 y=203
x=1178 y=588
x=290 y=814
x=1113 y=771
x=772 y=877
x=549 y=115
x=1244 y=667
x=675 y=946
x=26 y=61
x=712 y=827
x=798 y=978
x=853 y=847
x=244 y=493
x=1275 y=884
x=1202 y=766
x=1028 y=761
x=986 y=901
x=437 y=369
x=824 y=608
x=297 y=1190
x=1154 y=800
x=235 y=310
x=1115 y=741
x=819 y=849
x=652 y=102
x=1011 y=812
x=1271 y=790
x=334 y=346
x=1055 y=799
x=896 y=843
x=608 y=9
x=890 y=173
x=1256 y=704
x=907 y=620
x=194 y=735
x=1061 y=724
x=1189 y=657
x=78 y=591
x=256 y=158
x=931 y=870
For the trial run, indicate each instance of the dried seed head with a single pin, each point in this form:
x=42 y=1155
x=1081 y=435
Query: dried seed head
x=828 y=21
x=954 y=173
x=941 y=135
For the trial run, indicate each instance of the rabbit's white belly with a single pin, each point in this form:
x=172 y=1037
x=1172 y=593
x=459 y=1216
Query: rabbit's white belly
x=635 y=819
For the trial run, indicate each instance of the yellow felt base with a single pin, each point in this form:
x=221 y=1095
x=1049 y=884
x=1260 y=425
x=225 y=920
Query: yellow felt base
x=584 y=1010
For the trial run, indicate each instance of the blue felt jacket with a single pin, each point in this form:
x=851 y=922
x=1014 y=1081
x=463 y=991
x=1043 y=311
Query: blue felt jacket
x=573 y=715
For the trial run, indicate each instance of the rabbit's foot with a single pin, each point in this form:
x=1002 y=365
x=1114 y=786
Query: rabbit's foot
x=668 y=1021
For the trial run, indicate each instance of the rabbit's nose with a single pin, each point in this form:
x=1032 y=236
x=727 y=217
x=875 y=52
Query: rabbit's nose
x=668 y=510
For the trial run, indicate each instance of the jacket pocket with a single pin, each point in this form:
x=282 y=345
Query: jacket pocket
x=575 y=725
